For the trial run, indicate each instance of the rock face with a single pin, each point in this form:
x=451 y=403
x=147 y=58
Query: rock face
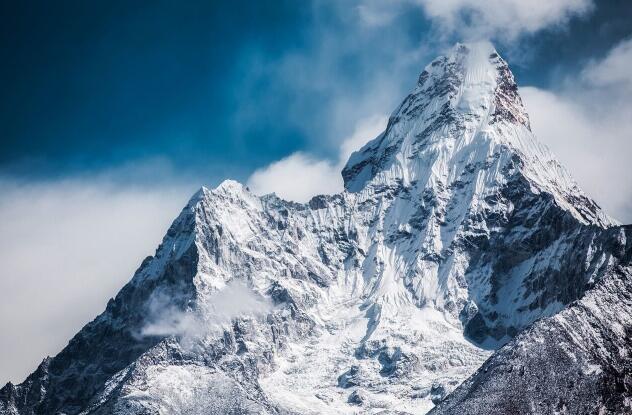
x=455 y=232
x=576 y=362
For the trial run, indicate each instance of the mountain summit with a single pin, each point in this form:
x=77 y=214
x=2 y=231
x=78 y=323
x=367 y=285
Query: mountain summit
x=464 y=109
x=456 y=231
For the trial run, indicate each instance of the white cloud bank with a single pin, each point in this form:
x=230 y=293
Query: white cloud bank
x=66 y=247
x=588 y=125
x=300 y=176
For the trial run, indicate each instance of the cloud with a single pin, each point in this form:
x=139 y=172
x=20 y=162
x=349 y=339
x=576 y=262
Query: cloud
x=501 y=19
x=299 y=176
x=355 y=60
x=613 y=70
x=165 y=319
x=364 y=131
x=215 y=311
x=67 y=246
x=374 y=13
x=587 y=124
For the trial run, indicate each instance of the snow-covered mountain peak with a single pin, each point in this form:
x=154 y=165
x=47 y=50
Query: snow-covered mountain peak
x=230 y=186
x=486 y=83
x=232 y=189
x=457 y=101
x=229 y=194
x=456 y=230
x=463 y=116
x=470 y=70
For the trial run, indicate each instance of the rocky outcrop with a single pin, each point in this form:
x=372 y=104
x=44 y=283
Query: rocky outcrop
x=576 y=362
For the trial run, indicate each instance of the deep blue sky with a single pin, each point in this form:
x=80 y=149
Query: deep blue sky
x=220 y=88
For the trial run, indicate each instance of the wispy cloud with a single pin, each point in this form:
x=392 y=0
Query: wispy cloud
x=213 y=312
x=67 y=246
x=300 y=176
x=348 y=69
x=613 y=71
x=587 y=124
x=498 y=19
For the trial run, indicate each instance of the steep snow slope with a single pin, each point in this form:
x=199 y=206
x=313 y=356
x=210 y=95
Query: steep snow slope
x=456 y=231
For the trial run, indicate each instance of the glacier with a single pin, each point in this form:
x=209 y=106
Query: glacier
x=458 y=239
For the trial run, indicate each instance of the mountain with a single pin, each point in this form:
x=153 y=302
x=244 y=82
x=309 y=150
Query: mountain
x=456 y=231
x=576 y=362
